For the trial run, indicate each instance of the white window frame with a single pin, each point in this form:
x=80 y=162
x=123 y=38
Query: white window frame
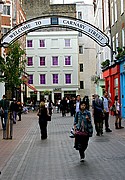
x=123 y=37
x=116 y=12
x=122 y=6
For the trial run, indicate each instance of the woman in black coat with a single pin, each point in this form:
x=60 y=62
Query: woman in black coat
x=43 y=113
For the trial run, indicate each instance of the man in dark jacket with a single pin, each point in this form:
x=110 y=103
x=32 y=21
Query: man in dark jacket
x=4 y=104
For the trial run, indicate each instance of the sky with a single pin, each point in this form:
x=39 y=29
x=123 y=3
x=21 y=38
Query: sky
x=71 y=1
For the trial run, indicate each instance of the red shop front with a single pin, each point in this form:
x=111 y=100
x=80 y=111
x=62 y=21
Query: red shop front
x=112 y=80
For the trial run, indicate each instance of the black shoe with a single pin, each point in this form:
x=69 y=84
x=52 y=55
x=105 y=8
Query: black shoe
x=19 y=120
x=14 y=122
x=108 y=130
x=121 y=127
x=97 y=134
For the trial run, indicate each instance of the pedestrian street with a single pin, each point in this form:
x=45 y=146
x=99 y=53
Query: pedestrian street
x=27 y=157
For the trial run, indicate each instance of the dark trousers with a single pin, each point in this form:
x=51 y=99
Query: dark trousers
x=43 y=128
x=107 y=120
x=81 y=144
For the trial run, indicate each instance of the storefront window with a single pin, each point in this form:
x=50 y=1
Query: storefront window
x=116 y=86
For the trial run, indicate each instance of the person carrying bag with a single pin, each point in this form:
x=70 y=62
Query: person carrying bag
x=83 y=129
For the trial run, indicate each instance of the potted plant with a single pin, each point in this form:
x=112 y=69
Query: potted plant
x=105 y=63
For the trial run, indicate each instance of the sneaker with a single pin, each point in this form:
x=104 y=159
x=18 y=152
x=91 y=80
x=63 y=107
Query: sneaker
x=82 y=160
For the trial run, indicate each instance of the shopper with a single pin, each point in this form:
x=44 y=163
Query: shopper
x=82 y=120
x=43 y=113
x=4 y=104
x=106 y=101
x=97 y=108
x=117 y=113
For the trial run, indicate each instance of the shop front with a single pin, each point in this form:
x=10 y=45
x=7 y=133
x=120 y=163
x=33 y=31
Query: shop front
x=122 y=87
x=112 y=80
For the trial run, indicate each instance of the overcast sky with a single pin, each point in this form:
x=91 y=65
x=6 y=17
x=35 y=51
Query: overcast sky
x=71 y=1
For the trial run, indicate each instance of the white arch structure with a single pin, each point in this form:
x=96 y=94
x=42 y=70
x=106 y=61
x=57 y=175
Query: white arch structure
x=52 y=21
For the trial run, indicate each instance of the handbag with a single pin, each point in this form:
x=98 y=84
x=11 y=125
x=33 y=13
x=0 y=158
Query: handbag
x=81 y=131
x=48 y=118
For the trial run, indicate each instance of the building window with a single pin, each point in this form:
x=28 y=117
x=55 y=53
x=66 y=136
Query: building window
x=122 y=6
x=117 y=40
x=116 y=86
x=42 y=61
x=30 y=61
x=67 y=60
x=79 y=15
x=68 y=78
x=5 y=30
x=81 y=67
x=42 y=79
x=112 y=12
x=123 y=38
x=80 y=34
x=55 y=60
x=67 y=42
x=6 y=10
x=55 y=78
x=29 y=43
x=30 y=81
x=80 y=49
x=116 y=16
x=42 y=43
x=81 y=84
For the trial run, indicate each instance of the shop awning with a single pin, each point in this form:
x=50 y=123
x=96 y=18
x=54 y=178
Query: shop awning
x=25 y=81
x=31 y=86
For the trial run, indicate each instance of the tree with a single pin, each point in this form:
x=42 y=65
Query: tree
x=13 y=66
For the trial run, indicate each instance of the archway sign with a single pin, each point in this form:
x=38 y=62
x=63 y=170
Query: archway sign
x=52 y=21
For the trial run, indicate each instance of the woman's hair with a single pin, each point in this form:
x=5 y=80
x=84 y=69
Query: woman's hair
x=42 y=104
x=82 y=102
x=116 y=98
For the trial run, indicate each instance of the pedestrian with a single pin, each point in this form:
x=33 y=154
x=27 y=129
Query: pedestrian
x=117 y=113
x=20 y=109
x=106 y=101
x=97 y=108
x=43 y=113
x=82 y=120
x=50 y=107
x=63 y=106
x=72 y=106
x=4 y=104
x=14 y=110
x=77 y=103
x=86 y=100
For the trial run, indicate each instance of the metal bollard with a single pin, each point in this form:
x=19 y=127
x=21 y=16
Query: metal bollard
x=8 y=126
x=9 y=131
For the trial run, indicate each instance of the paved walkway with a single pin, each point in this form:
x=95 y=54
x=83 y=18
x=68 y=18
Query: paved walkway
x=26 y=157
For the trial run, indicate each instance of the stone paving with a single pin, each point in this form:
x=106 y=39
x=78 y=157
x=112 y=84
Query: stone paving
x=27 y=157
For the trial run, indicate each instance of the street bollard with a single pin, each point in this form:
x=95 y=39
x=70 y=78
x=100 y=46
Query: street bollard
x=8 y=126
x=11 y=126
x=9 y=131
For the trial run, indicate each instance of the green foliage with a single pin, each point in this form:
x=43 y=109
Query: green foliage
x=46 y=92
x=121 y=52
x=13 y=65
x=105 y=63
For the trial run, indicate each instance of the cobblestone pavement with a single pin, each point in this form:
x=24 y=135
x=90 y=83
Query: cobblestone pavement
x=27 y=157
